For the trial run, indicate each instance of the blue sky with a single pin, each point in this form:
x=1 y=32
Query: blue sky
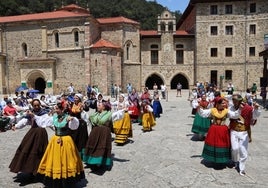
x=173 y=4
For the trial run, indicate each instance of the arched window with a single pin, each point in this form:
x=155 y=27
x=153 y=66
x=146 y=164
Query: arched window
x=127 y=51
x=24 y=50
x=76 y=38
x=170 y=27
x=57 y=40
x=163 y=27
x=179 y=54
x=154 y=54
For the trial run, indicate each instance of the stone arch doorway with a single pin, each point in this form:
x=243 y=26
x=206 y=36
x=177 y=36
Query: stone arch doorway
x=154 y=78
x=179 y=78
x=40 y=84
x=36 y=80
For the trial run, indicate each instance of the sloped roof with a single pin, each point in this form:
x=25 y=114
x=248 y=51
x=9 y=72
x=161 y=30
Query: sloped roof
x=181 y=32
x=64 y=12
x=148 y=32
x=155 y=33
x=119 y=19
x=104 y=44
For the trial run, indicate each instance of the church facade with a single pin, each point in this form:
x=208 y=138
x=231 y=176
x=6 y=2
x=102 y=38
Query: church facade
x=214 y=41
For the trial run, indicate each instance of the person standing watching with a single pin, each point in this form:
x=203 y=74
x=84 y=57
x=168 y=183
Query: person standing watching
x=254 y=90
x=71 y=88
x=163 y=91
x=179 y=86
x=230 y=88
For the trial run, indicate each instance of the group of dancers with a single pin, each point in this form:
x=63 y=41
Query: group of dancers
x=225 y=143
x=58 y=162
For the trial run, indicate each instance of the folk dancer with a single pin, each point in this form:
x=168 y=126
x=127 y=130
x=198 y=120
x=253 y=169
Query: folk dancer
x=33 y=145
x=217 y=142
x=80 y=135
x=241 y=132
x=147 y=118
x=99 y=145
x=122 y=126
x=61 y=165
x=201 y=125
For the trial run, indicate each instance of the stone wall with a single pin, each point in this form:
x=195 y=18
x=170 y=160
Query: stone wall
x=105 y=69
x=82 y=65
x=241 y=63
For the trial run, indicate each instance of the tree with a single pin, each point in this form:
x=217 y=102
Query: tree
x=142 y=11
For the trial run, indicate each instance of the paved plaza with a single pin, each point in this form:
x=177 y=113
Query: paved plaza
x=167 y=157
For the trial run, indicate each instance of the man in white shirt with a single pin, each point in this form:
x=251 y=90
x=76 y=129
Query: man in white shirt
x=71 y=88
x=163 y=91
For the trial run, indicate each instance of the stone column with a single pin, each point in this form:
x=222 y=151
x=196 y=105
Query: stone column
x=87 y=43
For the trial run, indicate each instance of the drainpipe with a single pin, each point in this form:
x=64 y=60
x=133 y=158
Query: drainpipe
x=6 y=63
x=245 y=50
x=195 y=56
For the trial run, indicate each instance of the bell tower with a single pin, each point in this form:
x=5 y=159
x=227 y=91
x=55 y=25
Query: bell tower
x=166 y=22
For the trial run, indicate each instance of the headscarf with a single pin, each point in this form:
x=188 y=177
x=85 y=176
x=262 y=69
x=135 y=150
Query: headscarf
x=79 y=95
x=107 y=105
x=217 y=100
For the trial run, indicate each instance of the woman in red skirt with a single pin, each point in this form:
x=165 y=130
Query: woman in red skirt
x=217 y=142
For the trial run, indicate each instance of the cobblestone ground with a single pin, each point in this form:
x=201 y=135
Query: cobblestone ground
x=169 y=156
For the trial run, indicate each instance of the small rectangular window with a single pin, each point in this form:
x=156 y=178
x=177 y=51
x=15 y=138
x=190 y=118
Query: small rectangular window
x=252 y=7
x=228 y=74
x=252 y=51
x=229 y=30
x=252 y=29
x=179 y=56
x=228 y=9
x=228 y=52
x=213 y=9
x=213 y=52
x=154 y=56
x=213 y=30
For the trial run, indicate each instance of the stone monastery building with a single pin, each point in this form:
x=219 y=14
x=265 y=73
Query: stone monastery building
x=216 y=41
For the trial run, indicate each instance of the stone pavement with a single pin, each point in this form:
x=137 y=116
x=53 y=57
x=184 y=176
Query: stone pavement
x=167 y=157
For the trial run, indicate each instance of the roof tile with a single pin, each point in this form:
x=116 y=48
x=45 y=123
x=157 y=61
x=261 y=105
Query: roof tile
x=65 y=12
x=119 y=19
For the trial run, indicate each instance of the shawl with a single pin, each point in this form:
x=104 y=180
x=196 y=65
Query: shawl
x=76 y=108
x=133 y=97
x=99 y=119
x=203 y=103
x=215 y=113
x=41 y=112
x=58 y=123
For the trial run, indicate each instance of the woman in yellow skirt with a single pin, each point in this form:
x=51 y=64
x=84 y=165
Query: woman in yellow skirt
x=61 y=165
x=122 y=125
x=148 y=119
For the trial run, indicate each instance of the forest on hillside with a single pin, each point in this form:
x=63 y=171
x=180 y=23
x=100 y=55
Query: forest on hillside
x=143 y=11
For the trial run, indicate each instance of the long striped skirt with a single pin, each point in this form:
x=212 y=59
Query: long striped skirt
x=217 y=144
x=98 y=149
x=30 y=151
x=148 y=121
x=200 y=125
x=61 y=163
x=123 y=129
